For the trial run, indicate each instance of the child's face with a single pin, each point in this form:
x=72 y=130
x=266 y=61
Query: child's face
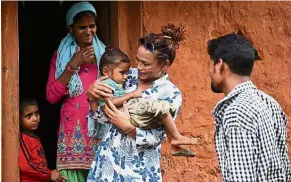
x=119 y=73
x=29 y=118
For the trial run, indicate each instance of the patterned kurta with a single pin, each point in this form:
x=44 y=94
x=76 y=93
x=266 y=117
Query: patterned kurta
x=121 y=158
x=75 y=149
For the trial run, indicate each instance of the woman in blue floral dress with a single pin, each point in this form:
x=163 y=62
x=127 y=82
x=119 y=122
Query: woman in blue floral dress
x=129 y=154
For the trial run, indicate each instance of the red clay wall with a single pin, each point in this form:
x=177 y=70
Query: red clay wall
x=267 y=24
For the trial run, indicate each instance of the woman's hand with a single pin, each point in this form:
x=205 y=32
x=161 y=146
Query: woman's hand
x=57 y=177
x=82 y=56
x=99 y=90
x=120 y=119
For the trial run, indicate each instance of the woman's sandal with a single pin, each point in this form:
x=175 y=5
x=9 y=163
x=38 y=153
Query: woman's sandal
x=184 y=153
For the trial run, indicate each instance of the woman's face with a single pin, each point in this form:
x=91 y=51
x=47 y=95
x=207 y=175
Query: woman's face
x=149 y=69
x=84 y=30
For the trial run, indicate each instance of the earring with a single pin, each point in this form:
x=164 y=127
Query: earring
x=164 y=72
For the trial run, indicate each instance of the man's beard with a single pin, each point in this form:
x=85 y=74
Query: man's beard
x=215 y=89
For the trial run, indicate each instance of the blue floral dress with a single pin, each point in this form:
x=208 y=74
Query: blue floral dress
x=120 y=158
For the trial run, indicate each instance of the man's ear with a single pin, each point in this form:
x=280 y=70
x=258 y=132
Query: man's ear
x=218 y=67
x=224 y=68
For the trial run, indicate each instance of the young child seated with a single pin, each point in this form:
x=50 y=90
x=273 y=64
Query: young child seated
x=144 y=113
x=32 y=161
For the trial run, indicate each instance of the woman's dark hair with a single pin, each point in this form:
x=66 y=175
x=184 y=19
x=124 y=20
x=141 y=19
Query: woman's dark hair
x=236 y=51
x=164 y=45
x=26 y=102
x=82 y=14
x=112 y=57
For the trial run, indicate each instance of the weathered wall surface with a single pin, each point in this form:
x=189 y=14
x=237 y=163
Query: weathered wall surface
x=268 y=26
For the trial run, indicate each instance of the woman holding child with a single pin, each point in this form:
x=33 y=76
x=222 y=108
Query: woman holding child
x=74 y=66
x=128 y=153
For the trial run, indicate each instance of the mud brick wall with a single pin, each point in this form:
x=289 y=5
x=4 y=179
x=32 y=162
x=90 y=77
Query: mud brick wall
x=266 y=24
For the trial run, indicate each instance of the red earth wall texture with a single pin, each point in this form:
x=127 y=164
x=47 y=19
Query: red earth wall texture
x=266 y=24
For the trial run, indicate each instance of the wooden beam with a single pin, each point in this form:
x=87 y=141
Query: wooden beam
x=10 y=91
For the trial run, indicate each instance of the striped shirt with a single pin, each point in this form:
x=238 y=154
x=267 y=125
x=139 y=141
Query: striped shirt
x=250 y=137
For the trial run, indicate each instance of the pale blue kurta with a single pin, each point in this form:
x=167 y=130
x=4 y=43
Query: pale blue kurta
x=119 y=158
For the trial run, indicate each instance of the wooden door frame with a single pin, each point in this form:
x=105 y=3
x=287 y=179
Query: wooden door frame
x=10 y=91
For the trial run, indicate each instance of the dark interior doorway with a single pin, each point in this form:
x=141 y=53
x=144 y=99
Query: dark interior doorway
x=41 y=27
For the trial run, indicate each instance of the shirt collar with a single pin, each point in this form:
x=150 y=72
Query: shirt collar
x=29 y=133
x=161 y=80
x=242 y=87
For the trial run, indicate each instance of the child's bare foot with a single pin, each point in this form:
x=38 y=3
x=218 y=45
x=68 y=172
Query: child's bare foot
x=182 y=140
x=180 y=151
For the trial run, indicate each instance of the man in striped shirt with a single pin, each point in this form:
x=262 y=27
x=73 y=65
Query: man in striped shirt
x=250 y=136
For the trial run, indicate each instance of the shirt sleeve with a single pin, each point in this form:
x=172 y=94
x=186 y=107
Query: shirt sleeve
x=240 y=164
x=112 y=84
x=149 y=138
x=55 y=90
x=98 y=116
x=32 y=162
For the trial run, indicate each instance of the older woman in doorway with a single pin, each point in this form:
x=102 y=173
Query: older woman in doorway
x=128 y=153
x=74 y=66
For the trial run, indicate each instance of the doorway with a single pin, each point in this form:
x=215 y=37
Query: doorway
x=42 y=25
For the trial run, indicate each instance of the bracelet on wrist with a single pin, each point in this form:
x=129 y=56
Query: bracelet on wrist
x=130 y=130
x=70 y=69
x=91 y=100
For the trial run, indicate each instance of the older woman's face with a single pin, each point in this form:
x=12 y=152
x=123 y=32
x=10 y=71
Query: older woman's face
x=149 y=69
x=84 y=30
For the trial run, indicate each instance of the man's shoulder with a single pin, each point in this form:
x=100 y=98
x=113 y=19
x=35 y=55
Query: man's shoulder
x=256 y=101
x=242 y=111
x=248 y=108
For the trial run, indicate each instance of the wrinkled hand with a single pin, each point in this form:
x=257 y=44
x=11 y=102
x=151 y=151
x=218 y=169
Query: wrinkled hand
x=82 y=56
x=99 y=90
x=120 y=119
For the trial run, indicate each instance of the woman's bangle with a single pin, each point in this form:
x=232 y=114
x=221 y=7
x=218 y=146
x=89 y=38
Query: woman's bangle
x=130 y=130
x=91 y=100
x=70 y=69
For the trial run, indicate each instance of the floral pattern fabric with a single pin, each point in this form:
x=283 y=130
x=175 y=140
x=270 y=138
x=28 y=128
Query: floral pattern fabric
x=120 y=158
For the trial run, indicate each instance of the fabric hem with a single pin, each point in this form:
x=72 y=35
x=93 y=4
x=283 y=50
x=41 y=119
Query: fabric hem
x=64 y=167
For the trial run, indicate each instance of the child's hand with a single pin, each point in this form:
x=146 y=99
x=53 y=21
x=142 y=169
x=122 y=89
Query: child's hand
x=137 y=93
x=56 y=176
